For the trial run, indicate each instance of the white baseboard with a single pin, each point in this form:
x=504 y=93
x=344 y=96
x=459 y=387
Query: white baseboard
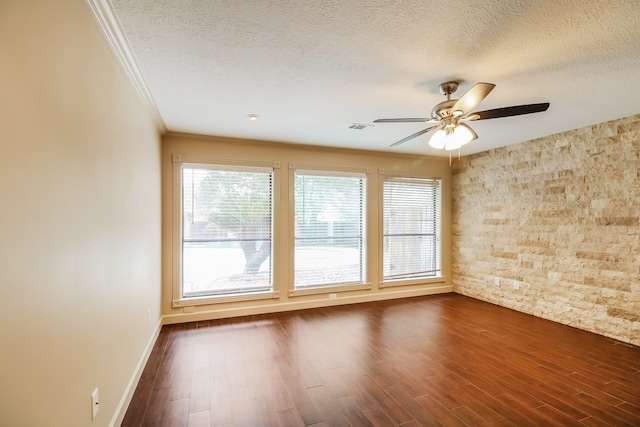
x=301 y=305
x=123 y=405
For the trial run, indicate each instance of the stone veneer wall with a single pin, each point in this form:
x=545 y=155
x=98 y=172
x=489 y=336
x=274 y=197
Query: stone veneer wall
x=560 y=216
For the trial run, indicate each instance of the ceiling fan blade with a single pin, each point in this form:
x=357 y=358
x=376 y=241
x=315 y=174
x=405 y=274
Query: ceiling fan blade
x=472 y=98
x=404 y=120
x=516 y=110
x=403 y=140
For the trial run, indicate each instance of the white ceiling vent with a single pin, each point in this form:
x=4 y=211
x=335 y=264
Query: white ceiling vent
x=359 y=126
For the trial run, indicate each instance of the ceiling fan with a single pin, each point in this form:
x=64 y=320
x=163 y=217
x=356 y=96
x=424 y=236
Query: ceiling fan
x=450 y=116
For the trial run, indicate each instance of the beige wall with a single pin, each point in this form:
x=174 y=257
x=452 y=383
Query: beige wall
x=243 y=150
x=560 y=215
x=79 y=218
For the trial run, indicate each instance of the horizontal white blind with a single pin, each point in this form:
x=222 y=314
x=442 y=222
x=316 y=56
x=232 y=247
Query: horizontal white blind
x=411 y=211
x=329 y=228
x=226 y=230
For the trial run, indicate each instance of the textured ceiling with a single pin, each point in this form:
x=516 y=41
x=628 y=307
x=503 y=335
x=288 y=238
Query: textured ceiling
x=310 y=69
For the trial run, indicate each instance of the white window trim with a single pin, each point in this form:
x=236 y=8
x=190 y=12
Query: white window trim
x=219 y=299
x=382 y=174
x=408 y=282
x=330 y=289
x=178 y=162
x=334 y=287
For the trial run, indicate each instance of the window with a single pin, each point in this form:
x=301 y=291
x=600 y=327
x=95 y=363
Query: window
x=411 y=212
x=224 y=244
x=226 y=229
x=329 y=228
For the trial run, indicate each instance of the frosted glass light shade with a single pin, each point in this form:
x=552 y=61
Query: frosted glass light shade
x=438 y=139
x=461 y=135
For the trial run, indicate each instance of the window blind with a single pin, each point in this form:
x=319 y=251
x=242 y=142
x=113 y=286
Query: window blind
x=411 y=236
x=329 y=228
x=226 y=230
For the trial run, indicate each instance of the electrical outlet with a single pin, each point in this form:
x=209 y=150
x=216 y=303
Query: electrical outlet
x=333 y=296
x=516 y=285
x=148 y=316
x=95 y=404
x=496 y=281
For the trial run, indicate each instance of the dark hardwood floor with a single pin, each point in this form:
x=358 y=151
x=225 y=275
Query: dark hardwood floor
x=437 y=360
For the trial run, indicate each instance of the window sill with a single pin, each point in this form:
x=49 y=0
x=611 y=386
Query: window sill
x=329 y=289
x=409 y=282
x=187 y=302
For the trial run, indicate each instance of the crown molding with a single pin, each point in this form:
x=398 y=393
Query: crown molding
x=106 y=17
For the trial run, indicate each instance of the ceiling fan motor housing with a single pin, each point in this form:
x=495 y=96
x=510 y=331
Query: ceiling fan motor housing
x=443 y=109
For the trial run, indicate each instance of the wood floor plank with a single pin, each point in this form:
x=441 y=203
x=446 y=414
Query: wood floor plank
x=279 y=395
x=289 y=418
x=333 y=381
x=560 y=402
x=519 y=414
x=625 y=392
x=605 y=413
x=353 y=413
x=388 y=404
x=599 y=392
x=302 y=401
x=176 y=413
x=557 y=417
x=469 y=417
x=444 y=391
x=361 y=397
x=136 y=412
x=327 y=407
x=425 y=410
x=519 y=391
x=378 y=417
x=199 y=399
x=415 y=385
x=424 y=361
x=154 y=414
x=199 y=419
x=220 y=403
x=479 y=402
x=632 y=409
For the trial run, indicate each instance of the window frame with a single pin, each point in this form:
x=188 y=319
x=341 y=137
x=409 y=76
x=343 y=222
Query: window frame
x=179 y=162
x=337 y=287
x=439 y=278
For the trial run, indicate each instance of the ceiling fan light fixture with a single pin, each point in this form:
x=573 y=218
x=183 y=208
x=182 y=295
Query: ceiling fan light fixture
x=449 y=133
x=452 y=138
